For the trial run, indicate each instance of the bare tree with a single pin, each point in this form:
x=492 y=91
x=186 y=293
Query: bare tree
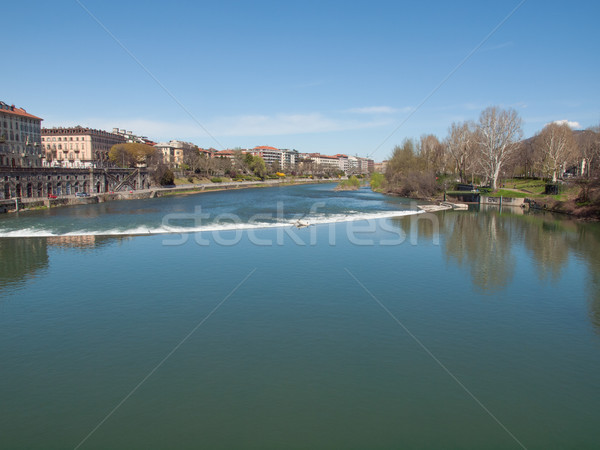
x=557 y=148
x=459 y=147
x=589 y=150
x=526 y=160
x=498 y=134
x=432 y=152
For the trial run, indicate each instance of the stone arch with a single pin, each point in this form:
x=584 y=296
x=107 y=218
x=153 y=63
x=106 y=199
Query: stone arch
x=86 y=186
x=18 y=190
x=29 y=190
x=49 y=188
x=40 y=190
x=58 y=188
x=6 y=190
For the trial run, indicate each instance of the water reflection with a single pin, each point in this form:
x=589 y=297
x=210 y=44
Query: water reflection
x=548 y=242
x=21 y=259
x=483 y=242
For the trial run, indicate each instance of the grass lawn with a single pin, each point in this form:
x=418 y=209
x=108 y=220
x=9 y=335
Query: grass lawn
x=532 y=185
x=512 y=194
x=182 y=181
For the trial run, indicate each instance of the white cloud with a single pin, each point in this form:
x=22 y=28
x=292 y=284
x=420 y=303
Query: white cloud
x=377 y=110
x=572 y=125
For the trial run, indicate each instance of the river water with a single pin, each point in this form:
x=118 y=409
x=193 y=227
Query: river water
x=212 y=321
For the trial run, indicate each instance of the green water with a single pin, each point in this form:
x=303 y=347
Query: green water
x=476 y=329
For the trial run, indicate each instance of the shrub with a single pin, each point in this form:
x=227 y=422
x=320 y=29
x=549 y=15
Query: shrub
x=351 y=183
x=216 y=180
x=167 y=178
x=377 y=180
x=416 y=185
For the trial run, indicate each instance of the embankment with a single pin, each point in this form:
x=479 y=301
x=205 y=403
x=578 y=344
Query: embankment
x=23 y=204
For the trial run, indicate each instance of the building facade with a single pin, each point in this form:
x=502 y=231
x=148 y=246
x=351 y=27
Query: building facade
x=174 y=152
x=270 y=155
x=78 y=147
x=20 y=137
x=380 y=166
x=40 y=182
x=287 y=159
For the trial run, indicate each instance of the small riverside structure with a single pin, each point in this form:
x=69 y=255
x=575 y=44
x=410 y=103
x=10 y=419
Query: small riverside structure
x=501 y=201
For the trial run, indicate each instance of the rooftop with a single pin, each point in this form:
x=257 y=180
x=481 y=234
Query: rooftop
x=13 y=110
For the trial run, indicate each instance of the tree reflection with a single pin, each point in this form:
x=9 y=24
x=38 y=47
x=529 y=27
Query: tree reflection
x=548 y=243
x=483 y=243
x=586 y=243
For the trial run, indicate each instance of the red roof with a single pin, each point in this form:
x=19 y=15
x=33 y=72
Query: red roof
x=265 y=147
x=19 y=112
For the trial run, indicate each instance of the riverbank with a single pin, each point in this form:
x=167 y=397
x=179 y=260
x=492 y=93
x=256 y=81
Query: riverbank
x=32 y=204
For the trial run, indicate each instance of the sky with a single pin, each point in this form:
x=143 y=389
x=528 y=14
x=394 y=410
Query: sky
x=354 y=77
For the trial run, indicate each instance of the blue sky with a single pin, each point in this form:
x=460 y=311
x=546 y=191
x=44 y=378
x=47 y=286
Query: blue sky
x=330 y=77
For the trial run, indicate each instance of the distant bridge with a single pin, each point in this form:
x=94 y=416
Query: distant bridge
x=40 y=182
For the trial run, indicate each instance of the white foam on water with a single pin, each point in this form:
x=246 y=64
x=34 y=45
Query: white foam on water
x=210 y=227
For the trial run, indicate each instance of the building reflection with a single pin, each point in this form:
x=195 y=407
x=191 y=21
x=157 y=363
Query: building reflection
x=22 y=259
x=87 y=241
x=26 y=258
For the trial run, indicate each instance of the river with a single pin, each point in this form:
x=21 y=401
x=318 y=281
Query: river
x=213 y=321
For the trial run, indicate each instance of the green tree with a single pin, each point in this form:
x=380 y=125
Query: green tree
x=258 y=166
x=377 y=181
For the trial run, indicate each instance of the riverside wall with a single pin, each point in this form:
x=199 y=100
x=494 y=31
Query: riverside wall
x=20 y=203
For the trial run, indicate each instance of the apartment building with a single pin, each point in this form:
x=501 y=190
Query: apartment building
x=174 y=152
x=78 y=147
x=20 y=137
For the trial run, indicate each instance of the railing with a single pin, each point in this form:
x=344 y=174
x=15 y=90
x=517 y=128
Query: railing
x=127 y=180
